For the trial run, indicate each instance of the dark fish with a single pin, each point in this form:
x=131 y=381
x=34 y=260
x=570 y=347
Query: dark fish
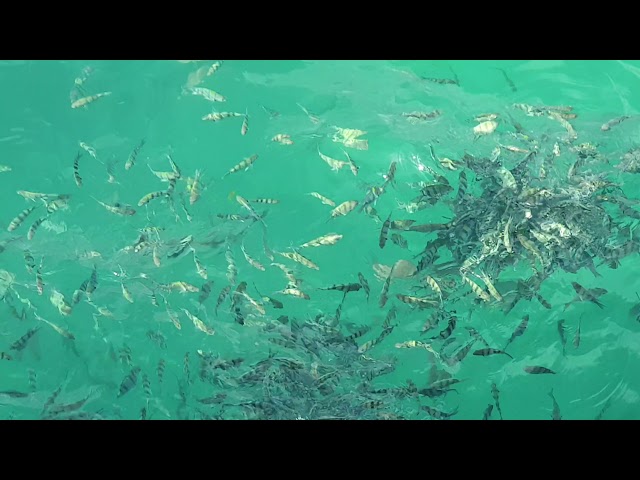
x=384 y=232
x=160 y=370
x=576 y=338
x=224 y=293
x=205 y=291
x=536 y=370
x=556 y=408
x=21 y=343
x=346 y=288
x=460 y=354
x=129 y=382
x=462 y=187
x=475 y=334
x=590 y=295
x=518 y=331
x=14 y=394
x=613 y=122
x=446 y=333
x=484 y=352
x=438 y=414
x=399 y=240
x=214 y=400
x=487 y=412
x=563 y=337
x=391 y=316
x=634 y=312
x=508 y=80
x=444 y=383
x=433 y=392
x=496 y=398
x=365 y=284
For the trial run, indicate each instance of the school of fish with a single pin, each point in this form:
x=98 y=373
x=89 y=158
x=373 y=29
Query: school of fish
x=476 y=237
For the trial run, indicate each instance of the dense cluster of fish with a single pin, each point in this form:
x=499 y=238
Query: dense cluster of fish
x=536 y=206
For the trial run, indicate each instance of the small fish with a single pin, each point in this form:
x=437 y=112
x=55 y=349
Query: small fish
x=484 y=352
x=224 y=293
x=352 y=165
x=22 y=342
x=160 y=370
x=302 y=260
x=65 y=333
x=487 y=412
x=245 y=204
x=118 y=209
x=314 y=119
x=563 y=337
x=84 y=101
x=556 y=408
x=576 y=338
x=32 y=380
x=520 y=329
x=590 y=295
x=18 y=220
x=480 y=293
x=508 y=80
x=199 y=324
x=129 y=382
x=384 y=232
x=214 y=68
x=244 y=129
x=399 y=240
x=294 y=292
x=365 y=284
x=282 y=139
x=265 y=201
x=217 y=116
x=332 y=162
x=207 y=94
x=536 y=370
x=76 y=170
x=202 y=271
x=496 y=397
x=346 y=288
x=325 y=240
x=613 y=122
x=323 y=199
x=131 y=160
x=485 y=128
x=438 y=414
x=251 y=261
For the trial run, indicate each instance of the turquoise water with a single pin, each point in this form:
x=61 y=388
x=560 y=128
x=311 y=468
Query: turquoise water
x=314 y=371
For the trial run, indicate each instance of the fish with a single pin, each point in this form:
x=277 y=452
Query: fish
x=496 y=398
x=324 y=240
x=484 y=352
x=384 y=232
x=487 y=412
x=536 y=370
x=131 y=160
x=20 y=218
x=323 y=199
x=519 y=331
x=129 y=382
x=344 y=208
x=84 y=101
x=76 y=170
x=556 y=408
x=576 y=338
x=563 y=337
x=613 y=122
